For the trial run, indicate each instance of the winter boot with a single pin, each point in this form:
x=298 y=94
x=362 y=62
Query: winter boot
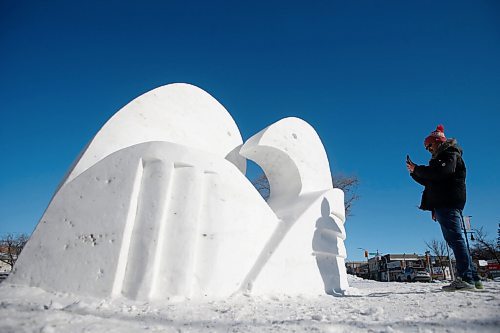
x=478 y=284
x=458 y=284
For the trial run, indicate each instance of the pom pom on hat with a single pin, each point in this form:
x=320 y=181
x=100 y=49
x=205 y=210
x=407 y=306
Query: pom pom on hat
x=437 y=135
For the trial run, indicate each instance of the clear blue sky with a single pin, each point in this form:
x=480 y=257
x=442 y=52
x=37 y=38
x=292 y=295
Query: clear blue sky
x=373 y=77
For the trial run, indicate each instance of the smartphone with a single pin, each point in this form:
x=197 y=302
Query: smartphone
x=408 y=160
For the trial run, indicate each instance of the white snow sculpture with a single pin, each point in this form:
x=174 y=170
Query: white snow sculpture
x=158 y=207
x=310 y=211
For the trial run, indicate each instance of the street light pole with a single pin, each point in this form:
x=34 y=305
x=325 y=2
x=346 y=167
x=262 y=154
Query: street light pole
x=380 y=255
x=386 y=269
x=428 y=260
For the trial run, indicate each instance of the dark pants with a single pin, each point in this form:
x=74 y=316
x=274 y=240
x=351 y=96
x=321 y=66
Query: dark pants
x=451 y=225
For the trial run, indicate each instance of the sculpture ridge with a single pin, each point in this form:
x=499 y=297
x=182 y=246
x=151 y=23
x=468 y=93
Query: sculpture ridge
x=172 y=113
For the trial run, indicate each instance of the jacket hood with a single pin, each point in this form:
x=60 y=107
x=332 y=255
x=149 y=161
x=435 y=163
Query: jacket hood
x=451 y=145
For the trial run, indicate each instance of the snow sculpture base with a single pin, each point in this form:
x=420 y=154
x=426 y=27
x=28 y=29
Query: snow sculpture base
x=158 y=206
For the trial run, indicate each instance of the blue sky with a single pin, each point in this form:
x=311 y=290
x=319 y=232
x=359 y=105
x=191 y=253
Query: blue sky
x=373 y=77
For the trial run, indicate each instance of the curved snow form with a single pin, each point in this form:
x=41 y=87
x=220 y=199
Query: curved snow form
x=157 y=207
x=310 y=211
x=291 y=154
x=179 y=112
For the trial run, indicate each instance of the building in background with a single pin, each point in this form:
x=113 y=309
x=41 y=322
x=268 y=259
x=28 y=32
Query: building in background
x=401 y=267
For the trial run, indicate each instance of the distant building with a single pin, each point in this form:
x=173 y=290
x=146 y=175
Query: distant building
x=389 y=267
x=393 y=264
x=358 y=268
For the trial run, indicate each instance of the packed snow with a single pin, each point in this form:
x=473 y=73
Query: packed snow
x=375 y=307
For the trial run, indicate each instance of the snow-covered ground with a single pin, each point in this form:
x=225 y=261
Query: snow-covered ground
x=375 y=307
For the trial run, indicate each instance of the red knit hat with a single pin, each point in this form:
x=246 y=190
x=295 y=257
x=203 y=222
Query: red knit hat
x=437 y=135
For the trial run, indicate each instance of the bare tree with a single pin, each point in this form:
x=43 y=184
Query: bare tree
x=348 y=184
x=438 y=249
x=262 y=185
x=483 y=247
x=498 y=236
x=11 y=246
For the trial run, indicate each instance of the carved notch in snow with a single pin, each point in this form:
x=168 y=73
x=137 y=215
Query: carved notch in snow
x=158 y=206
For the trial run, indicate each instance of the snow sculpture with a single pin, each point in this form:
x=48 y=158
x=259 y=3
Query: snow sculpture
x=309 y=209
x=158 y=207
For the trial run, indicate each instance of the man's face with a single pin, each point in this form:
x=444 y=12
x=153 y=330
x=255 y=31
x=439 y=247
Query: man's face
x=431 y=147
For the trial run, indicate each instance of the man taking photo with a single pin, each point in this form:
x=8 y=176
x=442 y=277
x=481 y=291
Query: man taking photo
x=445 y=195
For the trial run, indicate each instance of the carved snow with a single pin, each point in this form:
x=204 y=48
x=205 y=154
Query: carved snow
x=158 y=207
x=311 y=212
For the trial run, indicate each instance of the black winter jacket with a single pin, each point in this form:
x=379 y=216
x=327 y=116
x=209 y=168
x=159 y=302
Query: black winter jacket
x=443 y=178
